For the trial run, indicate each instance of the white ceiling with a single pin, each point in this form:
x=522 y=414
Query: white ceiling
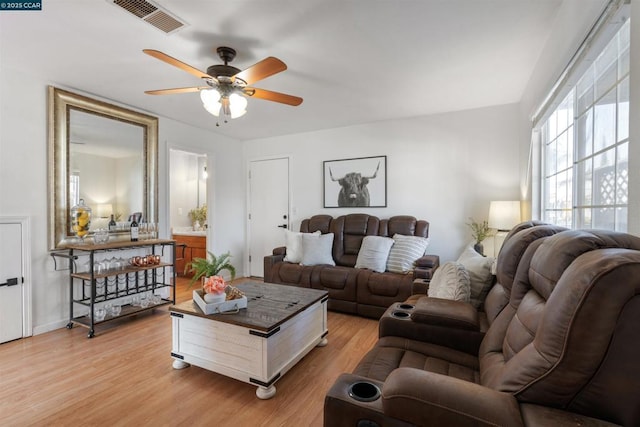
x=353 y=62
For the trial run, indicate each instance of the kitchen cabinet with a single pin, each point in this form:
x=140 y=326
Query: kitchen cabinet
x=188 y=247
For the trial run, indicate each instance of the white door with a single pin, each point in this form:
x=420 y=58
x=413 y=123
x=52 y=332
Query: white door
x=268 y=209
x=10 y=281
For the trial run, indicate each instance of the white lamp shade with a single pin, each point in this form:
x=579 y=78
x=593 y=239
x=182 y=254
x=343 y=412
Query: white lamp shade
x=237 y=105
x=211 y=101
x=504 y=215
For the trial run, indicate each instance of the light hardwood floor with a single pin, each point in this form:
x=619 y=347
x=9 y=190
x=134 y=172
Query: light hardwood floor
x=123 y=377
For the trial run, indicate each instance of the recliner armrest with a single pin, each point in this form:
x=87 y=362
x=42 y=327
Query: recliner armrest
x=420 y=287
x=428 y=261
x=426 y=266
x=280 y=250
x=452 y=324
x=269 y=262
x=426 y=398
x=447 y=313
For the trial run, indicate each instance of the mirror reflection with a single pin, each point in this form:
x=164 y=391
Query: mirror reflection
x=105 y=155
x=105 y=167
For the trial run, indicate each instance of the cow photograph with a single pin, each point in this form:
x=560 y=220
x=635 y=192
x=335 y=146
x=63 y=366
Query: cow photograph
x=356 y=183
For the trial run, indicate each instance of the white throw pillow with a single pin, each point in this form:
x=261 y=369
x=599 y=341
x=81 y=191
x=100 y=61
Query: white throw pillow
x=316 y=249
x=293 y=242
x=405 y=252
x=450 y=281
x=479 y=269
x=374 y=252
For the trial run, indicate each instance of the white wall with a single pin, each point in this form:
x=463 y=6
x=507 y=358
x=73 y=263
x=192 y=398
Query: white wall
x=23 y=185
x=442 y=168
x=573 y=22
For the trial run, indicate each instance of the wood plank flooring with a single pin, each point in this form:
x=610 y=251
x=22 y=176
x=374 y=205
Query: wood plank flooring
x=123 y=377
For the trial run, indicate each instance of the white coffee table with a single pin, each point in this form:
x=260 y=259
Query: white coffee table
x=257 y=345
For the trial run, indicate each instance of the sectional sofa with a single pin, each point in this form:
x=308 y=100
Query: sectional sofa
x=352 y=289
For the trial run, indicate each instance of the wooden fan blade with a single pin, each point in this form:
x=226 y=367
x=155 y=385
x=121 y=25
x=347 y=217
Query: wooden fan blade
x=176 y=63
x=273 y=96
x=176 y=90
x=261 y=70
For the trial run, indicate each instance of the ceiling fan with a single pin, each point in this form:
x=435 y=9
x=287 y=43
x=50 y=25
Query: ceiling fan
x=227 y=86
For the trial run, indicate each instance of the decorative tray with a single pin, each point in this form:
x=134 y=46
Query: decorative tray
x=219 y=307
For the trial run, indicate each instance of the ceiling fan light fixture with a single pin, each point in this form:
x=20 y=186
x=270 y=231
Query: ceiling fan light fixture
x=211 y=101
x=227 y=85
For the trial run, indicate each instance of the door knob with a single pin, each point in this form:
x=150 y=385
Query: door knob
x=283 y=226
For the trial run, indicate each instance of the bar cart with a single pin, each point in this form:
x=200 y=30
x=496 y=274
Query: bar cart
x=134 y=276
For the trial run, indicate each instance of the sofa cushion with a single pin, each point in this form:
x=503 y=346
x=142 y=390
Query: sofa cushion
x=404 y=253
x=479 y=269
x=293 y=242
x=316 y=249
x=391 y=353
x=450 y=281
x=374 y=253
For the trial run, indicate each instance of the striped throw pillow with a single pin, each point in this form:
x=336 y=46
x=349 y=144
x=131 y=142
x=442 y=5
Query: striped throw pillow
x=405 y=252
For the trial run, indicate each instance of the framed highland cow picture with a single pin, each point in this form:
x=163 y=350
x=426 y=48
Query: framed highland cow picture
x=355 y=183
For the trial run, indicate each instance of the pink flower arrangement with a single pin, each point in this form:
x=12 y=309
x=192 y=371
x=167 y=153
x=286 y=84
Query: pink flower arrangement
x=214 y=285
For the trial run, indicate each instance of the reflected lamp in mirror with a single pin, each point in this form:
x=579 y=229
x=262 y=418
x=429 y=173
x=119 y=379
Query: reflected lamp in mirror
x=504 y=215
x=104 y=210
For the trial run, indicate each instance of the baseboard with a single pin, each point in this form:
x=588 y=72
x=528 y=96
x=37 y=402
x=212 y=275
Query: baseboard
x=42 y=329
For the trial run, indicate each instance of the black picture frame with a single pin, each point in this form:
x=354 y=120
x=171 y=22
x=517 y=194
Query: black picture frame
x=343 y=174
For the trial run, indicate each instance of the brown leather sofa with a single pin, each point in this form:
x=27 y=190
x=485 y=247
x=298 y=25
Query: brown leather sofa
x=563 y=351
x=351 y=290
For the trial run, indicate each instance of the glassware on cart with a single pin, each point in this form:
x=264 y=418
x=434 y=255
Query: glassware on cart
x=99 y=314
x=116 y=310
x=100 y=236
x=144 y=301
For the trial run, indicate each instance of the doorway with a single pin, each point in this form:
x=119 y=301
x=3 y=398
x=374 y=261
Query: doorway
x=268 y=209
x=187 y=189
x=15 y=289
x=188 y=208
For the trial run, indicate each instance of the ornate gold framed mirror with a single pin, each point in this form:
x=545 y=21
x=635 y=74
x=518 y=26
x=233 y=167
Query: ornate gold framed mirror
x=106 y=155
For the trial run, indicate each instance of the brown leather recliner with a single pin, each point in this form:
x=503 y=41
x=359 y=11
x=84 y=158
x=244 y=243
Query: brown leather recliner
x=564 y=351
x=458 y=324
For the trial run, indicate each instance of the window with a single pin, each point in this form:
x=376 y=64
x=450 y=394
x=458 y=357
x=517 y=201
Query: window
x=585 y=146
x=74 y=188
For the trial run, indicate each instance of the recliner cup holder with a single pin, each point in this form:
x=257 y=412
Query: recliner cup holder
x=406 y=306
x=400 y=314
x=364 y=391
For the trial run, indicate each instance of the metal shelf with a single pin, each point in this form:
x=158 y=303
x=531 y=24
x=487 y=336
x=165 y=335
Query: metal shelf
x=127 y=310
x=95 y=288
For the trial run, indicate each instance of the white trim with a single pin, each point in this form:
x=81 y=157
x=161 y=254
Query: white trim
x=27 y=312
x=51 y=326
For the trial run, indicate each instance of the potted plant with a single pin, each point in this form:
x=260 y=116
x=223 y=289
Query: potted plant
x=198 y=217
x=479 y=231
x=209 y=270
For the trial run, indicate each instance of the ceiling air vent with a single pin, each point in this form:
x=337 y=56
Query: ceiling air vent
x=151 y=13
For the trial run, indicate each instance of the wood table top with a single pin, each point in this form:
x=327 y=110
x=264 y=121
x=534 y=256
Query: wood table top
x=268 y=305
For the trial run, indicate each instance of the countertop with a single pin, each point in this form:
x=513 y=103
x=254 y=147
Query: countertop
x=189 y=233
